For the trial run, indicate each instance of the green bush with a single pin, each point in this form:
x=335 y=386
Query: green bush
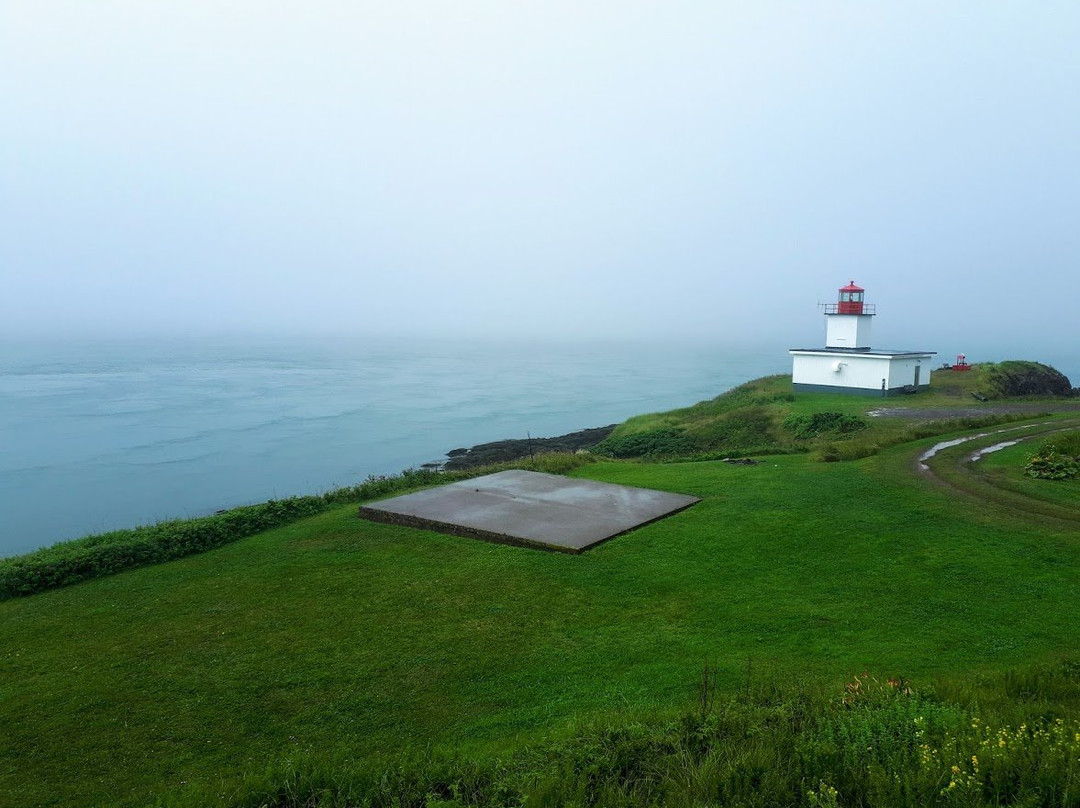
x=805 y=427
x=1066 y=443
x=744 y=428
x=71 y=562
x=664 y=442
x=1058 y=458
x=108 y=553
x=1052 y=466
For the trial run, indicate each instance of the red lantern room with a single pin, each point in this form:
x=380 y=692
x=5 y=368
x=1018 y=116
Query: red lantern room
x=851 y=299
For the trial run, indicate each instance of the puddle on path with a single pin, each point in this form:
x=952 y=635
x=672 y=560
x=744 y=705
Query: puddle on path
x=937 y=447
x=990 y=449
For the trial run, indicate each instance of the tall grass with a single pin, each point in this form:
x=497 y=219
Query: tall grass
x=1012 y=740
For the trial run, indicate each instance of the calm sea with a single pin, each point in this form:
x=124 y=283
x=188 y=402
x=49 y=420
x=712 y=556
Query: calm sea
x=104 y=435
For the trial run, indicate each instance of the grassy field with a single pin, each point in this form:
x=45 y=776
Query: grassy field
x=342 y=639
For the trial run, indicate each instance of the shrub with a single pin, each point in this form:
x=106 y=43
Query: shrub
x=743 y=428
x=1052 y=466
x=105 y=554
x=820 y=423
x=1067 y=443
x=108 y=553
x=1058 y=458
x=663 y=442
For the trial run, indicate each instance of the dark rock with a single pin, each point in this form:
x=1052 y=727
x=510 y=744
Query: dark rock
x=1016 y=378
x=502 y=451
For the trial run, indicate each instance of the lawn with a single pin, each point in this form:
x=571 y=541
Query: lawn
x=353 y=638
x=1005 y=469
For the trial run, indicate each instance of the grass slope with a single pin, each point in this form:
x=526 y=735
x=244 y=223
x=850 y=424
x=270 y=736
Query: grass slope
x=339 y=637
x=762 y=416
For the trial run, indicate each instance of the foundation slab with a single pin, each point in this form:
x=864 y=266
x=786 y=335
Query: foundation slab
x=530 y=509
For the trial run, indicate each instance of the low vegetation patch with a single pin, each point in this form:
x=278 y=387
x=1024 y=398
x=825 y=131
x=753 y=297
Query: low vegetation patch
x=1057 y=458
x=880 y=742
x=653 y=443
x=821 y=423
x=764 y=417
x=108 y=553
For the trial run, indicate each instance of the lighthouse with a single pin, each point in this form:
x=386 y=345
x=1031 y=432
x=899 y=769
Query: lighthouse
x=847 y=322
x=848 y=363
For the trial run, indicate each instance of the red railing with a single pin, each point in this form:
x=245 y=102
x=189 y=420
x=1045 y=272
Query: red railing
x=835 y=308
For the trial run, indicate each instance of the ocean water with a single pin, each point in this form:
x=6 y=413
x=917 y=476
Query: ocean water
x=100 y=435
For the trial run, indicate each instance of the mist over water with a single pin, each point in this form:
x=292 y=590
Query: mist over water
x=107 y=435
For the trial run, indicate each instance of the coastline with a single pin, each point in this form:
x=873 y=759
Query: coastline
x=502 y=451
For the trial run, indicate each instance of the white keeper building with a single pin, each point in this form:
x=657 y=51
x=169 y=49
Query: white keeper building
x=847 y=363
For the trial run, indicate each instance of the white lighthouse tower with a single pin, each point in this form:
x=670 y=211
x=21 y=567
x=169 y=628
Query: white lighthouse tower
x=847 y=322
x=848 y=363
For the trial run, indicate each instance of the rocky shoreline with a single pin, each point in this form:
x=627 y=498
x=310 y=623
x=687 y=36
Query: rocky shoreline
x=502 y=451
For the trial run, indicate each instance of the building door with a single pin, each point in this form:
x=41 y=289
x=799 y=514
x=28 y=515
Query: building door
x=917 y=369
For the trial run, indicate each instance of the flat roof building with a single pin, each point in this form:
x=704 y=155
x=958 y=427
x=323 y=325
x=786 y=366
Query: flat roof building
x=848 y=363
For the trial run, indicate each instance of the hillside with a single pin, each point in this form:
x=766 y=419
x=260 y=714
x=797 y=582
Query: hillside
x=335 y=661
x=764 y=416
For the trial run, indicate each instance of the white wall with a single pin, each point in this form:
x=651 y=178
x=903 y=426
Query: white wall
x=864 y=372
x=861 y=372
x=902 y=371
x=848 y=330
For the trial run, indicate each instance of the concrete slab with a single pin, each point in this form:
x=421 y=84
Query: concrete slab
x=530 y=509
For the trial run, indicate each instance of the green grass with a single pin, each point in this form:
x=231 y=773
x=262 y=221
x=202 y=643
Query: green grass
x=97 y=556
x=997 y=479
x=764 y=416
x=1005 y=469
x=880 y=743
x=338 y=639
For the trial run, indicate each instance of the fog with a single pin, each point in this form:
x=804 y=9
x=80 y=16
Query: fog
x=682 y=170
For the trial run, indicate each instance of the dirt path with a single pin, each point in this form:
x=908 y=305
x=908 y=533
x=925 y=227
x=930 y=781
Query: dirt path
x=974 y=411
x=1000 y=438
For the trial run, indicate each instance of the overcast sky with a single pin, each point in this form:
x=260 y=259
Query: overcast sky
x=697 y=170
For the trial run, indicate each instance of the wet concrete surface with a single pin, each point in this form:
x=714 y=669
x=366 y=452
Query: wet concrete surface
x=530 y=509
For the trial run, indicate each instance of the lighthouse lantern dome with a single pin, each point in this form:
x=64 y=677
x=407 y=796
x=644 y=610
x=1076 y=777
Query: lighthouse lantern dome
x=851 y=299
